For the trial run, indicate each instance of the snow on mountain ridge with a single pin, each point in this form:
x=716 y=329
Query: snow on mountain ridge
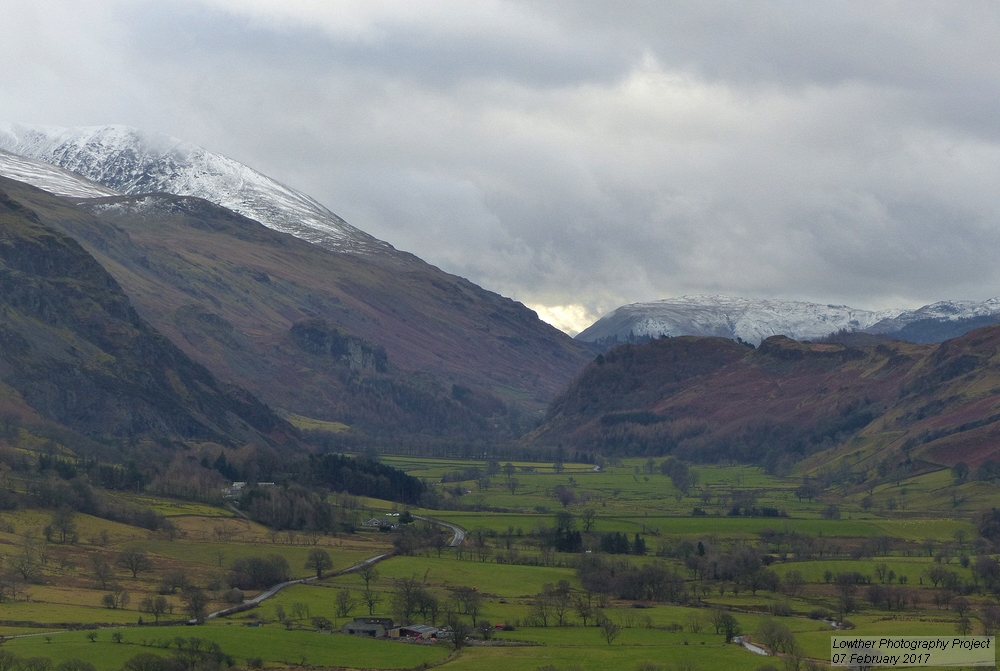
x=753 y=320
x=50 y=178
x=941 y=311
x=127 y=160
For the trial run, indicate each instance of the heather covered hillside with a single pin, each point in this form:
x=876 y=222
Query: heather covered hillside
x=948 y=410
x=710 y=399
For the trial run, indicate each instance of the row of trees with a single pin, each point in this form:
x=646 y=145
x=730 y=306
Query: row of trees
x=188 y=654
x=410 y=598
x=654 y=581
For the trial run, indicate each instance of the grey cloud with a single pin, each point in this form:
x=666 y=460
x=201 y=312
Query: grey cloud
x=615 y=152
x=189 y=33
x=942 y=53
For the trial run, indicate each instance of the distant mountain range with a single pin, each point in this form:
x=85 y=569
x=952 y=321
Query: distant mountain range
x=152 y=288
x=313 y=316
x=754 y=320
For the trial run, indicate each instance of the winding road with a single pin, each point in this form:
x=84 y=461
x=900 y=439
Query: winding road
x=267 y=594
x=455 y=529
x=459 y=536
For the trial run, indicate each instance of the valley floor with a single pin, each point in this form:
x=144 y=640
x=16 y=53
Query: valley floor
x=60 y=611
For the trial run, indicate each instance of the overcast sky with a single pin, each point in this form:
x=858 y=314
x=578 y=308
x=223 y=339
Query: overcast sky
x=577 y=155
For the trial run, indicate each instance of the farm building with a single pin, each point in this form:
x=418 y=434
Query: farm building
x=417 y=631
x=375 y=627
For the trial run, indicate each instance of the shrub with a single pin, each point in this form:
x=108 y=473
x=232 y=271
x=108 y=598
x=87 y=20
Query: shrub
x=819 y=614
x=258 y=572
x=234 y=595
x=781 y=609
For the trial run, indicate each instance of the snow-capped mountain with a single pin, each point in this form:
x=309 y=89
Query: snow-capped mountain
x=753 y=320
x=748 y=319
x=944 y=311
x=50 y=178
x=129 y=161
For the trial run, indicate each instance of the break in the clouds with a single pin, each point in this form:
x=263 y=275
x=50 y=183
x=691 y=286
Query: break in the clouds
x=577 y=156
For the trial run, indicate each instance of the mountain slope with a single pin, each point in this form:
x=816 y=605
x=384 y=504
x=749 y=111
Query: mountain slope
x=707 y=399
x=388 y=350
x=912 y=406
x=128 y=161
x=754 y=320
x=948 y=408
x=75 y=351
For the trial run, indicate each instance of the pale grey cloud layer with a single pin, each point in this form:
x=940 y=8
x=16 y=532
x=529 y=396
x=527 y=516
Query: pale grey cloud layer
x=578 y=155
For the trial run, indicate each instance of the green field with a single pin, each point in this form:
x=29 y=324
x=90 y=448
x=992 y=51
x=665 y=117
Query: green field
x=274 y=645
x=598 y=656
x=670 y=526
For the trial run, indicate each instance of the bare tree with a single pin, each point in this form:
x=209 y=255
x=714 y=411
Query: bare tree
x=319 y=561
x=24 y=565
x=103 y=574
x=371 y=598
x=428 y=604
x=118 y=597
x=473 y=606
x=155 y=606
x=541 y=608
x=135 y=560
x=369 y=574
x=584 y=608
x=195 y=602
x=345 y=602
x=469 y=602
x=775 y=636
x=440 y=543
x=64 y=524
x=610 y=629
x=460 y=630
x=405 y=598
